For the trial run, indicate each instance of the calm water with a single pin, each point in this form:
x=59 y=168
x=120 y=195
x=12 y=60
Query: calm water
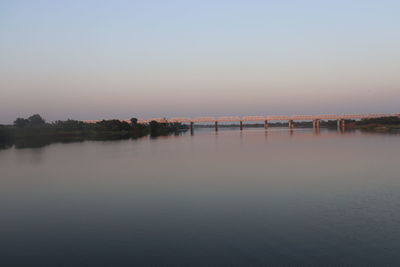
x=250 y=198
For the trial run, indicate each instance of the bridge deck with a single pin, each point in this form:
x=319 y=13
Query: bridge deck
x=269 y=118
x=263 y=118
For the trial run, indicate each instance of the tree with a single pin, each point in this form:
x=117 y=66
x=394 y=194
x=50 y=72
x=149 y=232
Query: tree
x=6 y=136
x=154 y=128
x=134 y=122
x=21 y=122
x=69 y=125
x=113 y=125
x=36 y=120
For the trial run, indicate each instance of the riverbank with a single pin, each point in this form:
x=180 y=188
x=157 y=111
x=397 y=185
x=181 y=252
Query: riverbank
x=383 y=125
x=35 y=132
x=379 y=128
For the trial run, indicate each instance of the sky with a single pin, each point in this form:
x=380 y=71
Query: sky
x=122 y=59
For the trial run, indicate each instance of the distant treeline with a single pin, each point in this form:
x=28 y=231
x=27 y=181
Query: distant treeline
x=35 y=131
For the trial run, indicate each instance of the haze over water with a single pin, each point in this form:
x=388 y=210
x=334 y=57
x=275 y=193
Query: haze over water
x=233 y=198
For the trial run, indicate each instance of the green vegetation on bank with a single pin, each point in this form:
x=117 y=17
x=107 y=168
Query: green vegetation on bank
x=35 y=131
x=383 y=124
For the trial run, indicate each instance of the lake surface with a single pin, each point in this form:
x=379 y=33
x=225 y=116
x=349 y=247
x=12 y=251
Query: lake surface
x=251 y=198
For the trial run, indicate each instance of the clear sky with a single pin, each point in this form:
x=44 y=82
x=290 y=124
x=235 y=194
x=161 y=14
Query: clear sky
x=117 y=59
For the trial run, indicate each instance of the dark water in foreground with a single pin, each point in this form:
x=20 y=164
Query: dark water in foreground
x=232 y=199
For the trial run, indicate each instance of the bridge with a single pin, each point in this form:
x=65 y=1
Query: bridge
x=316 y=119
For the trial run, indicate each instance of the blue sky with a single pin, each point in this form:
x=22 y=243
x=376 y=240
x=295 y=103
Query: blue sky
x=118 y=59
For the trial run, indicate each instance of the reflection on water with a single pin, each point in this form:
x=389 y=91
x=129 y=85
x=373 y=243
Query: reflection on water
x=252 y=198
x=37 y=141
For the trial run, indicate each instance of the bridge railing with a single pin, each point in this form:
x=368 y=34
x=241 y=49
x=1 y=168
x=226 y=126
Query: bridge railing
x=261 y=118
x=253 y=118
x=204 y=119
x=179 y=120
x=229 y=119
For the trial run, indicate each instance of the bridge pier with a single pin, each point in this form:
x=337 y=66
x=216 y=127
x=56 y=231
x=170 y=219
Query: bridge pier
x=241 y=125
x=191 y=128
x=316 y=124
x=290 y=124
x=341 y=124
x=265 y=124
x=216 y=126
